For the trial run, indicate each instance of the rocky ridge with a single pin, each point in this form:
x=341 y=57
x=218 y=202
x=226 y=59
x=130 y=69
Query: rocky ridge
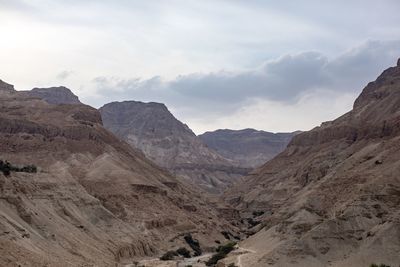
x=332 y=197
x=55 y=95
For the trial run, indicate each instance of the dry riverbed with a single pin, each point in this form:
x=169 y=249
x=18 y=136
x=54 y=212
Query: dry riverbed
x=195 y=262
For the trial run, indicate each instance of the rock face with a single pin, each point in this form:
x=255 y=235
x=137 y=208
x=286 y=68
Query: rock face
x=168 y=142
x=249 y=148
x=332 y=197
x=5 y=87
x=55 y=95
x=94 y=201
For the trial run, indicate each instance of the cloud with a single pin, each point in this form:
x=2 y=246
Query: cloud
x=309 y=111
x=205 y=59
x=64 y=74
x=284 y=80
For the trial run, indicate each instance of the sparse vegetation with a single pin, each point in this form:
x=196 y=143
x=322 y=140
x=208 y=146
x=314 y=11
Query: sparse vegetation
x=169 y=255
x=183 y=252
x=380 y=265
x=6 y=167
x=222 y=251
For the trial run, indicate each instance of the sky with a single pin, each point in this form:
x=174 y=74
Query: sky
x=270 y=65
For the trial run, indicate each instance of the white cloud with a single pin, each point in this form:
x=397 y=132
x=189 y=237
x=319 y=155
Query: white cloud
x=287 y=84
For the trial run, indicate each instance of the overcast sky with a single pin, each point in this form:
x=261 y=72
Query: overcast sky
x=215 y=63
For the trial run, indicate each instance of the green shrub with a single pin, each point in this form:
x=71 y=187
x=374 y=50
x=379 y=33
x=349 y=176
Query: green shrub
x=226 y=248
x=380 y=265
x=222 y=251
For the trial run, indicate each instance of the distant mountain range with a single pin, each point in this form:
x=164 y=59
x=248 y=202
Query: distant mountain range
x=248 y=148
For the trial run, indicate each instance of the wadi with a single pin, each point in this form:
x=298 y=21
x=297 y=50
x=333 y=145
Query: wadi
x=75 y=194
x=190 y=133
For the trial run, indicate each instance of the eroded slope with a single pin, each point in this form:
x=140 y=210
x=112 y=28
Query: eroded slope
x=94 y=200
x=332 y=197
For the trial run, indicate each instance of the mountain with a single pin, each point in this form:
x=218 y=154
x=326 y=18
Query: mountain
x=5 y=87
x=168 y=142
x=332 y=197
x=248 y=147
x=55 y=95
x=73 y=194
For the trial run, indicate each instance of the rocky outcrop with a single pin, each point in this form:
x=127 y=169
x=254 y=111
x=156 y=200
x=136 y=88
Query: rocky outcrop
x=55 y=95
x=93 y=200
x=6 y=87
x=248 y=147
x=168 y=142
x=331 y=197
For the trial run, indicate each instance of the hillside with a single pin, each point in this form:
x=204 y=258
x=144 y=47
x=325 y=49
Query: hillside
x=94 y=200
x=332 y=197
x=248 y=147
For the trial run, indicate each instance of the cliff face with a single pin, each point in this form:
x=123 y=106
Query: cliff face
x=332 y=197
x=168 y=142
x=5 y=87
x=55 y=95
x=94 y=200
x=249 y=148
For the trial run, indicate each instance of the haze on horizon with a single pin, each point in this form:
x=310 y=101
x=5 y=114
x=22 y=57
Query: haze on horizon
x=215 y=63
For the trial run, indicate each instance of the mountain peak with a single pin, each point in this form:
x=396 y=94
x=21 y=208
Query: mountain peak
x=153 y=129
x=6 y=87
x=382 y=87
x=55 y=95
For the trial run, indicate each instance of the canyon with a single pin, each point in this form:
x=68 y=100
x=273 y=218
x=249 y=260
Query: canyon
x=123 y=185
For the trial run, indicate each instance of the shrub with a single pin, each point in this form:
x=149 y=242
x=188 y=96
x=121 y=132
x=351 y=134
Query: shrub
x=222 y=251
x=183 y=252
x=380 y=265
x=169 y=255
x=227 y=247
x=6 y=167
